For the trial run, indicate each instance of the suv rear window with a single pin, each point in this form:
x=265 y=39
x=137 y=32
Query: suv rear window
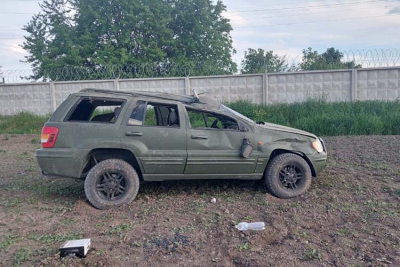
x=96 y=110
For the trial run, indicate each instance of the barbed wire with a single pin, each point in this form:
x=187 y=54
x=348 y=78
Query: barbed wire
x=348 y=60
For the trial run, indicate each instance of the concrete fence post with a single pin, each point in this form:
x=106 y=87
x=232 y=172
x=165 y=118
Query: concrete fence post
x=116 y=84
x=187 y=86
x=265 y=88
x=53 y=96
x=354 y=80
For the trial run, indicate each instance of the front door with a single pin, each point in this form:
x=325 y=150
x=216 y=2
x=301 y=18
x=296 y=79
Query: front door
x=156 y=132
x=214 y=145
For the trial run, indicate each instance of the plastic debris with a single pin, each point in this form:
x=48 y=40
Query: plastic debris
x=77 y=248
x=256 y=226
x=213 y=200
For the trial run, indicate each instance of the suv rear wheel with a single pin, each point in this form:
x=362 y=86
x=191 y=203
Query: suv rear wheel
x=288 y=175
x=111 y=183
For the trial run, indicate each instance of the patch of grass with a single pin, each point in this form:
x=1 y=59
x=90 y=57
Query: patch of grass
x=344 y=231
x=244 y=247
x=120 y=229
x=376 y=208
x=22 y=255
x=183 y=229
x=392 y=191
x=8 y=240
x=26 y=254
x=41 y=187
x=22 y=123
x=36 y=141
x=316 y=116
x=329 y=119
x=69 y=222
x=311 y=254
x=51 y=239
x=99 y=252
x=11 y=203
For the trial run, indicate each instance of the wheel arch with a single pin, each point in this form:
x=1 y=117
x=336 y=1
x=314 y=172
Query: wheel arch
x=280 y=151
x=100 y=154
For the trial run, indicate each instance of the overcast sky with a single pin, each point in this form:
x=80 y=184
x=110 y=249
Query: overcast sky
x=285 y=26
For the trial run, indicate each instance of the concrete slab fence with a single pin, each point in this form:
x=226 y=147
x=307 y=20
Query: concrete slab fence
x=267 y=88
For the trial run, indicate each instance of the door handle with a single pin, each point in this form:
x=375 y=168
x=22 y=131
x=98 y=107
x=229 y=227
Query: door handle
x=199 y=137
x=133 y=134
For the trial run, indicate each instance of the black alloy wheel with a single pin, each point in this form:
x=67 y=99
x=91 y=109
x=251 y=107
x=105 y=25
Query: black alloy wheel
x=111 y=186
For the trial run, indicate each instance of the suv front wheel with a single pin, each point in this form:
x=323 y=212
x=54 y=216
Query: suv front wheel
x=288 y=175
x=111 y=183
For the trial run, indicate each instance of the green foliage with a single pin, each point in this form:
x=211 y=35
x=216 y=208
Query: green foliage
x=329 y=119
x=23 y=123
x=9 y=240
x=22 y=255
x=202 y=34
x=97 y=34
x=120 y=229
x=259 y=61
x=150 y=116
x=315 y=116
x=311 y=254
x=331 y=59
x=56 y=238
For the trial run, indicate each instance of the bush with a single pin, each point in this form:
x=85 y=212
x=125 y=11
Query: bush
x=315 y=116
x=329 y=119
x=22 y=123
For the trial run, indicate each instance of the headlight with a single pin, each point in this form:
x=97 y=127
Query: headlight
x=318 y=146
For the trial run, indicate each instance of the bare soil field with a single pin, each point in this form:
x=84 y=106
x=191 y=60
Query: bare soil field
x=349 y=217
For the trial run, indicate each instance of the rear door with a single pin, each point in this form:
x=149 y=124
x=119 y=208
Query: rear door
x=214 y=145
x=155 y=131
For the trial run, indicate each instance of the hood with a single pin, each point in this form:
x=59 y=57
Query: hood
x=281 y=128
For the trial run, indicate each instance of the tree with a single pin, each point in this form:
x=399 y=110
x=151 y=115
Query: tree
x=331 y=59
x=100 y=34
x=202 y=35
x=259 y=61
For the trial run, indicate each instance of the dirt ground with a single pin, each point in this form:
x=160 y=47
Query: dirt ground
x=349 y=217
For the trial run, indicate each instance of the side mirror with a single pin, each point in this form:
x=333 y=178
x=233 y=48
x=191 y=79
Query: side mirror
x=247 y=149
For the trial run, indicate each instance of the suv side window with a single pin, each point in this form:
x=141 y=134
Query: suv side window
x=99 y=110
x=202 y=119
x=154 y=114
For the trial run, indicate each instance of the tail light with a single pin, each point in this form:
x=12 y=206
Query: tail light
x=49 y=136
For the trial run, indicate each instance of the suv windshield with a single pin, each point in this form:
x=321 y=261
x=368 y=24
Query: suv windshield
x=237 y=114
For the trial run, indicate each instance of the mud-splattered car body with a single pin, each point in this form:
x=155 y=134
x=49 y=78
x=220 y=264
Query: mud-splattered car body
x=163 y=152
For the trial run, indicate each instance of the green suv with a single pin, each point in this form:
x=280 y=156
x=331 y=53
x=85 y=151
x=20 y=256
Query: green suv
x=116 y=139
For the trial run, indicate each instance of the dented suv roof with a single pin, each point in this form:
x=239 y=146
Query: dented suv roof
x=202 y=101
x=181 y=98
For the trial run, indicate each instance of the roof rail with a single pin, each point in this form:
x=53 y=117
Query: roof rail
x=181 y=98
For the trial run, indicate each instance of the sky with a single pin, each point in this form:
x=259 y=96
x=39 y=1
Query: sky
x=284 y=26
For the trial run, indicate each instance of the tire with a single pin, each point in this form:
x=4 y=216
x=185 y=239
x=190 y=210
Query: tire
x=283 y=180
x=105 y=182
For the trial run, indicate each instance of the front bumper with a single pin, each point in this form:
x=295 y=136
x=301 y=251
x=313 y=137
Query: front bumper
x=319 y=165
x=319 y=160
x=62 y=161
